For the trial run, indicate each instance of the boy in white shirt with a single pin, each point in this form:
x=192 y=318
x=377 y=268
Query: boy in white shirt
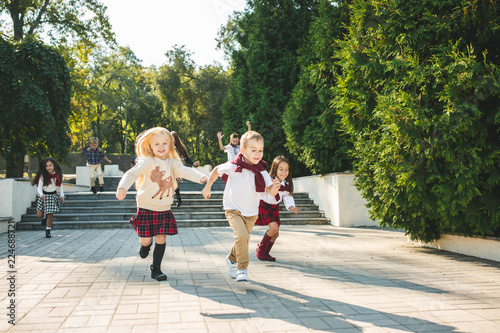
x=246 y=179
x=233 y=148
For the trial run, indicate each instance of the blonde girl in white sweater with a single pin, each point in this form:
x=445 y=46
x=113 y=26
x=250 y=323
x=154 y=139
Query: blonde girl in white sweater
x=155 y=173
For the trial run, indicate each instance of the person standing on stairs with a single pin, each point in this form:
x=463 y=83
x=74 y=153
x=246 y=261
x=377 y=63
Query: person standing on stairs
x=246 y=179
x=181 y=151
x=157 y=167
x=94 y=158
x=269 y=206
x=233 y=148
x=48 y=180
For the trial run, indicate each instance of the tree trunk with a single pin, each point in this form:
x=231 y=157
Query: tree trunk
x=17 y=20
x=14 y=161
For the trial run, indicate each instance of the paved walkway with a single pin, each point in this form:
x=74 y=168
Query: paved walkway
x=326 y=279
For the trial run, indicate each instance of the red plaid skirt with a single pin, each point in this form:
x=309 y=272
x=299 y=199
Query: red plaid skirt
x=268 y=213
x=148 y=223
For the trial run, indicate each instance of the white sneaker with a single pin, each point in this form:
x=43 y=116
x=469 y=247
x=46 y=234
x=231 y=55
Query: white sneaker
x=241 y=276
x=231 y=268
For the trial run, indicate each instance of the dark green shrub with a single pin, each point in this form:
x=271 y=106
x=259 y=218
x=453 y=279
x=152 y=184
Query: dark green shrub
x=311 y=124
x=420 y=99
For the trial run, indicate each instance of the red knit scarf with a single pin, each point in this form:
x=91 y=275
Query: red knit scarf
x=56 y=177
x=260 y=183
x=234 y=146
x=282 y=188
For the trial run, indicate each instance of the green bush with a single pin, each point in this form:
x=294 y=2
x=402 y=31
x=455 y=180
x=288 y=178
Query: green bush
x=419 y=96
x=311 y=124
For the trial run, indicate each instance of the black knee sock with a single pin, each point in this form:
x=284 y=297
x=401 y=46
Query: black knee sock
x=158 y=254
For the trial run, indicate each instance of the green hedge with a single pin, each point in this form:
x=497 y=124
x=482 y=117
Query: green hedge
x=420 y=99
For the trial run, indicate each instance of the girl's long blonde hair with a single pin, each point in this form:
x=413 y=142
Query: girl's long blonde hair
x=143 y=146
x=143 y=143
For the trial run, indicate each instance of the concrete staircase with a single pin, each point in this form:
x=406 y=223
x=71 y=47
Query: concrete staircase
x=83 y=210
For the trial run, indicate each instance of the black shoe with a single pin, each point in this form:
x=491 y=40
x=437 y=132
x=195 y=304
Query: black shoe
x=179 y=201
x=101 y=189
x=93 y=190
x=144 y=251
x=44 y=221
x=47 y=233
x=157 y=274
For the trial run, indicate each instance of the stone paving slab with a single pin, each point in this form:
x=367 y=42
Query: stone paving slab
x=326 y=279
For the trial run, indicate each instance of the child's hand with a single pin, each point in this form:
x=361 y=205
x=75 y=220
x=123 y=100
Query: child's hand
x=219 y=135
x=293 y=209
x=42 y=197
x=109 y=161
x=62 y=199
x=206 y=192
x=121 y=193
x=276 y=184
x=203 y=179
x=196 y=163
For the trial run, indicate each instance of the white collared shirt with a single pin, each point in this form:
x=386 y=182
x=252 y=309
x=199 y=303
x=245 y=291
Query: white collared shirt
x=285 y=196
x=232 y=152
x=240 y=192
x=49 y=188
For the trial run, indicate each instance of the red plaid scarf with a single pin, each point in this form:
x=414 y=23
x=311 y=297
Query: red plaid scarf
x=56 y=177
x=282 y=188
x=260 y=184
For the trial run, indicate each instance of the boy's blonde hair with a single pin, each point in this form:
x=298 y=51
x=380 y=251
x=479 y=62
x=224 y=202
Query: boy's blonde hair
x=143 y=141
x=250 y=135
x=94 y=140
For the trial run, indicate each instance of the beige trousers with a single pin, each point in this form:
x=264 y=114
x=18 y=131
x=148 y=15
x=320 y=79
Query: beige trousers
x=242 y=226
x=93 y=168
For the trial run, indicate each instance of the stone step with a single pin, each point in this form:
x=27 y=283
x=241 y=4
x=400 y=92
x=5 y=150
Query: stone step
x=103 y=210
x=111 y=183
x=131 y=208
x=102 y=200
x=111 y=194
x=180 y=223
x=179 y=215
x=132 y=203
x=108 y=195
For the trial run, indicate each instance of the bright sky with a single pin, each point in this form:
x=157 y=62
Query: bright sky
x=152 y=27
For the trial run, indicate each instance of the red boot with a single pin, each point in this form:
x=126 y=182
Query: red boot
x=261 y=252
x=269 y=257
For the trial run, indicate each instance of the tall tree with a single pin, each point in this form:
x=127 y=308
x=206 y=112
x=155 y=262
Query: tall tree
x=35 y=90
x=212 y=85
x=118 y=83
x=192 y=99
x=60 y=22
x=419 y=96
x=79 y=20
x=264 y=61
x=312 y=127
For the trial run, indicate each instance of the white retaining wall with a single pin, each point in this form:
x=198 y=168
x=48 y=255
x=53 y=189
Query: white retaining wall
x=486 y=248
x=83 y=173
x=16 y=196
x=337 y=197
